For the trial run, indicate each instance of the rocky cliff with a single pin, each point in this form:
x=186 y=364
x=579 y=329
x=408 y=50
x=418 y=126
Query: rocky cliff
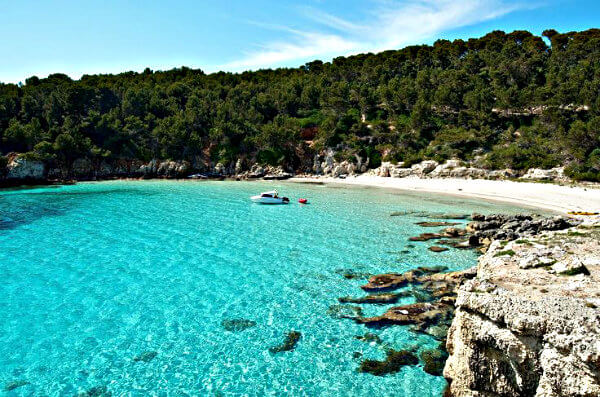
x=528 y=324
x=20 y=169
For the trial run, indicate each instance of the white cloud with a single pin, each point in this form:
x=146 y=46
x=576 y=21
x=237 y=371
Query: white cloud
x=387 y=24
x=306 y=44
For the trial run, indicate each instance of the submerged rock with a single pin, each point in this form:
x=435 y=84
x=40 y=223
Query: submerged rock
x=369 y=337
x=460 y=244
x=399 y=213
x=454 y=232
x=426 y=237
x=15 y=384
x=422 y=314
x=291 y=340
x=344 y=311
x=351 y=274
x=436 y=248
x=451 y=216
x=391 y=281
x=237 y=324
x=436 y=224
x=376 y=299
x=97 y=391
x=394 y=361
x=146 y=356
x=434 y=361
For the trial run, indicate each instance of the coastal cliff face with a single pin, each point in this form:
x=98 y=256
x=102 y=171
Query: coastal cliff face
x=528 y=324
x=21 y=169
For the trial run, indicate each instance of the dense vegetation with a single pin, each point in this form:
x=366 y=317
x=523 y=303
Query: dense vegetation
x=509 y=100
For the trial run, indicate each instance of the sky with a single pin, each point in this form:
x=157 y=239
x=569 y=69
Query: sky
x=88 y=37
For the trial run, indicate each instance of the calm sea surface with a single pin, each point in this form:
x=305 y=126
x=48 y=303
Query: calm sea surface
x=123 y=287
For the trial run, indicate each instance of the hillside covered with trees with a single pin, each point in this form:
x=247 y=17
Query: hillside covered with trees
x=512 y=100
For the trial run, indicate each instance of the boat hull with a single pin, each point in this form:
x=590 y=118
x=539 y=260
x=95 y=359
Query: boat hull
x=269 y=200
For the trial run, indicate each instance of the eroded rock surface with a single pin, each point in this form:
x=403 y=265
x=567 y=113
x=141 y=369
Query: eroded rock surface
x=527 y=327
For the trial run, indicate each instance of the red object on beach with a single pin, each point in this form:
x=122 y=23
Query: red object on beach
x=303 y=201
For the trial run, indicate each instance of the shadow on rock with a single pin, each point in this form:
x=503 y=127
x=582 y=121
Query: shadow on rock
x=394 y=361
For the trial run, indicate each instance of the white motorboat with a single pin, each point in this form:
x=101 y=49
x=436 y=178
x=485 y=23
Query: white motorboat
x=271 y=197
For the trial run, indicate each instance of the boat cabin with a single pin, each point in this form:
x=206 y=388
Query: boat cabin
x=271 y=194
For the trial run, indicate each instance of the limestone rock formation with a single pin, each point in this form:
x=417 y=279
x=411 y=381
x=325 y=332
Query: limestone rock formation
x=521 y=328
x=553 y=174
x=21 y=168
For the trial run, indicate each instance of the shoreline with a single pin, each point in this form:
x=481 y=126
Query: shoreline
x=547 y=196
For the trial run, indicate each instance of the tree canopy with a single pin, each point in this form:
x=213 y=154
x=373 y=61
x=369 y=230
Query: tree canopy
x=510 y=99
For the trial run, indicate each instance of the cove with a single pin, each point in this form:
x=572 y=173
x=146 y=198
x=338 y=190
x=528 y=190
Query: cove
x=188 y=288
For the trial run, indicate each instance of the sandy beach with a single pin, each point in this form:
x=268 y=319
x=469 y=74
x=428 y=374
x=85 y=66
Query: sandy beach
x=547 y=196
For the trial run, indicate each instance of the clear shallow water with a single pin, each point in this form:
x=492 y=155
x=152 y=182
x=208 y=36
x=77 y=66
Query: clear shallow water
x=95 y=274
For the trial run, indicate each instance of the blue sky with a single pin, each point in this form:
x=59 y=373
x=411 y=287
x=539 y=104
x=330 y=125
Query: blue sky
x=109 y=36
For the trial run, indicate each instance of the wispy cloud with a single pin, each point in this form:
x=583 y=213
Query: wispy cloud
x=386 y=24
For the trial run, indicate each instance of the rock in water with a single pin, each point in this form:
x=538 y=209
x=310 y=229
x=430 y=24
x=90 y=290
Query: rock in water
x=376 y=298
x=369 y=337
x=291 y=340
x=391 y=281
x=237 y=324
x=97 y=391
x=351 y=274
x=394 y=361
x=436 y=224
x=421 y=314
x=426 y=237
x=344 y=311
x=436 y=248
x=10 y=386
x=146 y=356
x=434 y=361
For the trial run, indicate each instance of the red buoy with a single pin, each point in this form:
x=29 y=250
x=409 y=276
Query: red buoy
x=303 y=201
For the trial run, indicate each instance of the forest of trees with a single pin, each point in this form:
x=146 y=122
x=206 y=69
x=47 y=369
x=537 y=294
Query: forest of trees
x=513 y=100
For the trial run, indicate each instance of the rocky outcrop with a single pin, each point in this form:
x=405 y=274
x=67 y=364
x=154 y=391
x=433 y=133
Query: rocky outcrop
x=553 y=174
x=458 y=169
x=326 y=164
x=20 y=168
x=526 y=325
x=486 y=228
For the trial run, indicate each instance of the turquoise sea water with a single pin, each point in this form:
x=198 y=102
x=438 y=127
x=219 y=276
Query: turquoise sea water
x=96 y=274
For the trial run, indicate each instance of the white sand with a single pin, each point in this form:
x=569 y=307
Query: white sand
x=528 y=194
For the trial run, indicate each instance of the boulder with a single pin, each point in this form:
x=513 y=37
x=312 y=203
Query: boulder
x=149 y=169
x=501 y=174
x=173 y=169
x=238 y=166
x=257 y=171
x=399 y=172
x=384 y=169
x=552 y=174
x=424 y=167
x=443 y=170
x=219 y=169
